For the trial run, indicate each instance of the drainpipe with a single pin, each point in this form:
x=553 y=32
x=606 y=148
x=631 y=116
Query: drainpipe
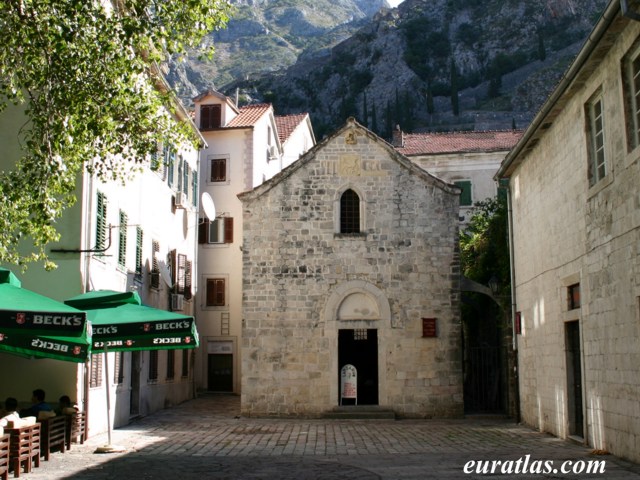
x=512 y=275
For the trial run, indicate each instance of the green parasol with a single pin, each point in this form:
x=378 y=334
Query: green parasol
x=70 y=349
x=26 y=312
x=121 y=323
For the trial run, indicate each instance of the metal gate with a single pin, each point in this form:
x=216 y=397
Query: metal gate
x=485 y=385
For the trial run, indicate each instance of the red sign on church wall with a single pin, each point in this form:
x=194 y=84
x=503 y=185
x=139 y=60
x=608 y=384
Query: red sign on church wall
x=429 y=327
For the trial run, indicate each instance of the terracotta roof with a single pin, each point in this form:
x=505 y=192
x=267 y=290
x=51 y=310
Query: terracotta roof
x=459 y=142
x=249 y=115
x=287 y=124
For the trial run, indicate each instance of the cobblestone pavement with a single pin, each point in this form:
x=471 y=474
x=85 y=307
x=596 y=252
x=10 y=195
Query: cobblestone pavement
x=206 y=439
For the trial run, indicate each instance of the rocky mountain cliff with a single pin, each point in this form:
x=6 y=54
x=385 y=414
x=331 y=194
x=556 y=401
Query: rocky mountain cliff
x=266 y=36
x=426 y=65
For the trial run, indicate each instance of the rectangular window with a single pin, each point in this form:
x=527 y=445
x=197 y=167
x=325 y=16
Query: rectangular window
x=169 y=162
x=118 y=375
x=139 y=240
x=218 y=231
x=210 y=117
x=101 y=221
x=194 y=188
x=181 y=165
x=216 y=294
x=122 y=245
x=360 y=334
x=573 y=296
x=218 y=170
x=187 y=279
x=181 y=271
x=631 y=88
x=186 y=172
x=466 y=199
x=153 y=365
x=185 y=363
x=171 y=364
x=595 y=136
x=95 y=377
x=155 y=163
x=155 y=264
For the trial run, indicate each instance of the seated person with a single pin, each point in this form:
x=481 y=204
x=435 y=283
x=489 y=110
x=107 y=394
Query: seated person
x=65 y=405
x=39 y=405
x=10 y=412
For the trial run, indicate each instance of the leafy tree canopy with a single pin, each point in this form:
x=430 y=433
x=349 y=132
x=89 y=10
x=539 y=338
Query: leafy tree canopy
x=484 y=244
x=84 y=80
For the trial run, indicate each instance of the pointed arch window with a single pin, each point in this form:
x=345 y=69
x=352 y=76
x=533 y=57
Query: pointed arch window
x=349 y=212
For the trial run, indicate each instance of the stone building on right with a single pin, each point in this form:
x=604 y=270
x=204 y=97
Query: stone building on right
x=575 y=203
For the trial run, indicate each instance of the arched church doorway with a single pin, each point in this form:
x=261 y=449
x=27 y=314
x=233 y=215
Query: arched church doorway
x=359 y=347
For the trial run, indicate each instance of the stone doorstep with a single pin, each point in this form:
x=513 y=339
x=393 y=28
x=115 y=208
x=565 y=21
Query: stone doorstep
x=360 y=412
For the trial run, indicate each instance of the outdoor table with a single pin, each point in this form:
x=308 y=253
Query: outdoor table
x=24 y=447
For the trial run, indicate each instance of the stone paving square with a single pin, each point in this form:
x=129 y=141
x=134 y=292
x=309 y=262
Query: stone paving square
x=206 y=438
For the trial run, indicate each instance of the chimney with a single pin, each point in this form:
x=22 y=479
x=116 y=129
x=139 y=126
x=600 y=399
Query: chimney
x=398 y=138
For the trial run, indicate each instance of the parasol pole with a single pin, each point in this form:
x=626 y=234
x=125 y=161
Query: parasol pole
x=109 y=447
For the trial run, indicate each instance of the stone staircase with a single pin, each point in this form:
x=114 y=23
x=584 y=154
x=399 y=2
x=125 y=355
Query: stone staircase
x=360 y=412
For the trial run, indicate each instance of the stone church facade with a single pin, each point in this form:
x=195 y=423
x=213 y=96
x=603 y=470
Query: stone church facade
x=350 y=257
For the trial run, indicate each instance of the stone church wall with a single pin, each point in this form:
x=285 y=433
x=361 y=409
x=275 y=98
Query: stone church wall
x=304 y=281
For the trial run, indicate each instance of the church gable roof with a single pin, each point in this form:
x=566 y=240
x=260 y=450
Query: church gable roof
x=351 y=129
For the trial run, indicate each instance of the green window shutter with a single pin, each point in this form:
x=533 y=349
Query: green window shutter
x=139 y=240
x=170 y=160
x=101 y=221
x=122 y=246
x=465 y=196
x=195 y=189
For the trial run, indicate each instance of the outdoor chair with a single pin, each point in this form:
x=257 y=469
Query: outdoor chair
x=4 y=456
x=76 y=430
x=54 y=435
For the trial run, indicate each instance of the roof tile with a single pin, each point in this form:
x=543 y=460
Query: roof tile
x=287 y=124
x=249 y=115
x=459 y=142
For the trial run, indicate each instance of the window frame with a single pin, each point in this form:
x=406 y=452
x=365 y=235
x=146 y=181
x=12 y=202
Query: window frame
x=222 y=171
x=465 y=192
x=139 y=250
x=171 y=365
x=630 y=74
x=596 y=139
x=220 y=291
x=225 y=230
x=101 y=221
x=350 y=203
x=210 y=116
x=95 y=375
x=152 y=376
x=122 y=240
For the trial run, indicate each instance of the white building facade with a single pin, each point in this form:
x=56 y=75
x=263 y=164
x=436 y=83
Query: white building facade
x=469 y=159
x=246 y=146
x=138 y=236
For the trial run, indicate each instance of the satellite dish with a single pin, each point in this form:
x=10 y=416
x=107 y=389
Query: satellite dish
x=207 y=206
x=165 y=274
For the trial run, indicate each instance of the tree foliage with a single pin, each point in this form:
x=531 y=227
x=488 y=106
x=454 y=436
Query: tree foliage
x=79 y=78
x=484 y=244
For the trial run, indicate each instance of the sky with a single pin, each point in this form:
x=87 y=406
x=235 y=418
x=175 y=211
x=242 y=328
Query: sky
x=394 y=3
